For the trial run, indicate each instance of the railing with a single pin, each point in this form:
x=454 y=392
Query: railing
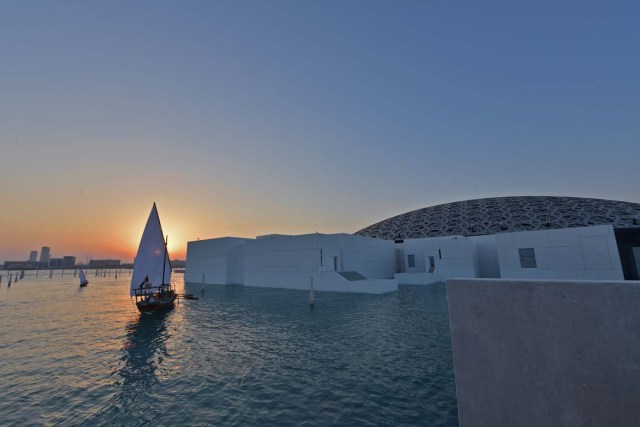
x=142 y=292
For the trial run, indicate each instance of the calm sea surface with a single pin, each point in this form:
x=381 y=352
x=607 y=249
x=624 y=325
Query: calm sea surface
x=238 y=356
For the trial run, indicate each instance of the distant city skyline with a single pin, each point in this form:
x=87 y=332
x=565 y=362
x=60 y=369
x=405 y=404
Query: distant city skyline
x=50 y=257
x=249 y=118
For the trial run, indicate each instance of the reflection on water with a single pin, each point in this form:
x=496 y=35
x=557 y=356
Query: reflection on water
x=237 y=356
x=143 y=352
x=137 y=377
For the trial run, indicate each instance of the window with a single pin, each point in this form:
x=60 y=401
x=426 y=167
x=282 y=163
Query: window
x=411 y=261
x=527 y=258
x=432 y=264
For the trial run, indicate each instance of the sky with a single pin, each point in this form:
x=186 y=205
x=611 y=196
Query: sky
x=241 y=118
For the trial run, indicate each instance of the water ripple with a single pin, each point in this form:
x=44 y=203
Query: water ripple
x=238 y=356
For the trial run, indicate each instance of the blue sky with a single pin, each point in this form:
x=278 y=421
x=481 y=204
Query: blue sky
x=244 y=118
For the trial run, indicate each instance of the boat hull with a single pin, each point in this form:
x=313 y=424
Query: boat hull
x=161 y=304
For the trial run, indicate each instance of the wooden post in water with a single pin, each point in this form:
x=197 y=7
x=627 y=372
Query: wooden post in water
x=62 y=273
x=116 y=274
x=0 y=279
x=21 y=274
x=312 y=295
x=75 y=272
x=50 y=274
x=37 y=271
x=10 y=277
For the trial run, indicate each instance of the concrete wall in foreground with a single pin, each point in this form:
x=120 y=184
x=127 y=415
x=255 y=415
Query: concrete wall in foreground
x=546 y=353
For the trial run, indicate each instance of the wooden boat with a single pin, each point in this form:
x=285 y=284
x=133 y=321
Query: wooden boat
x=83 y=280
x=151 y=278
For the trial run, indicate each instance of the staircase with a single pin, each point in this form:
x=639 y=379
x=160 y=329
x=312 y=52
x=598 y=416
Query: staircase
x=351 y=275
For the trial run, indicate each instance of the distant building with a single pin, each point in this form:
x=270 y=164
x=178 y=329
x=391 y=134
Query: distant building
x=23 y=265
x=16 y=265
x=64 y=262
x=178 y=263
x=33 y=256
x=104 y=263
x=44 y=254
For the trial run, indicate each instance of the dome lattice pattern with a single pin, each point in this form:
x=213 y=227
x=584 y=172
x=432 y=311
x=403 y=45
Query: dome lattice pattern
x=505 y=214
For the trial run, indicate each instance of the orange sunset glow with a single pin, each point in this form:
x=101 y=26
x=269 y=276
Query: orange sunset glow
x=110 y=225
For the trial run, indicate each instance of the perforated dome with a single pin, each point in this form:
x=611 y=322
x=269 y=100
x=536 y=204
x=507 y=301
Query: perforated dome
x=505 y=214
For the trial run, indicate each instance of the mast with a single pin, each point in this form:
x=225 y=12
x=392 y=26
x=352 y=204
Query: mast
x=164 y=260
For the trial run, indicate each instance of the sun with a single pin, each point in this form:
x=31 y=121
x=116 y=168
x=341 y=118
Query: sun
x=172 y=247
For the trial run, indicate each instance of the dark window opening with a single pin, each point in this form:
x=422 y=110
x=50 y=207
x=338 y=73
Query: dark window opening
x=527 y=258
x=411 y=261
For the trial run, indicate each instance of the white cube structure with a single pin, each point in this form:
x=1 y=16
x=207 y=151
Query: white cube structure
x=337 y=262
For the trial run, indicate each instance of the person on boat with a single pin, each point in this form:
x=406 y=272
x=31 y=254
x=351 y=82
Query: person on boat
x=145 y=284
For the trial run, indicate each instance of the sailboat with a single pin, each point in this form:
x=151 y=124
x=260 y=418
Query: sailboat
x=83 y=280
x=151 y=278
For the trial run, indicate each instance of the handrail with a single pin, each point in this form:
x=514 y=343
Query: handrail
x=144 y=291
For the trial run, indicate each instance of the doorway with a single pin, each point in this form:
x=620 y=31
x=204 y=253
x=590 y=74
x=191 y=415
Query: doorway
x=628 y=241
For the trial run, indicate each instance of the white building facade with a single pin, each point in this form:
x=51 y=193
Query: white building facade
x=352 y=263
x=522 y=237
x=579 y=253
x=335 y=262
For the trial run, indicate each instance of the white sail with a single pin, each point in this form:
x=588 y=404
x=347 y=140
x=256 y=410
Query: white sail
x=152 y=256
x=82 y=279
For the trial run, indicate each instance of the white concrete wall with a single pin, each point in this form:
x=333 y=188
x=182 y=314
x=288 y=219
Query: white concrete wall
x=282 y=261
x=581 y=253
x=289 y=261
x=332 y=281
x=487 y=256
x=545 y=353
x=453 y=257
x=235 y=265
x=219 y=260
x=373 y=258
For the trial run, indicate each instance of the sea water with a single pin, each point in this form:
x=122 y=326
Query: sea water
x=237 y=356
